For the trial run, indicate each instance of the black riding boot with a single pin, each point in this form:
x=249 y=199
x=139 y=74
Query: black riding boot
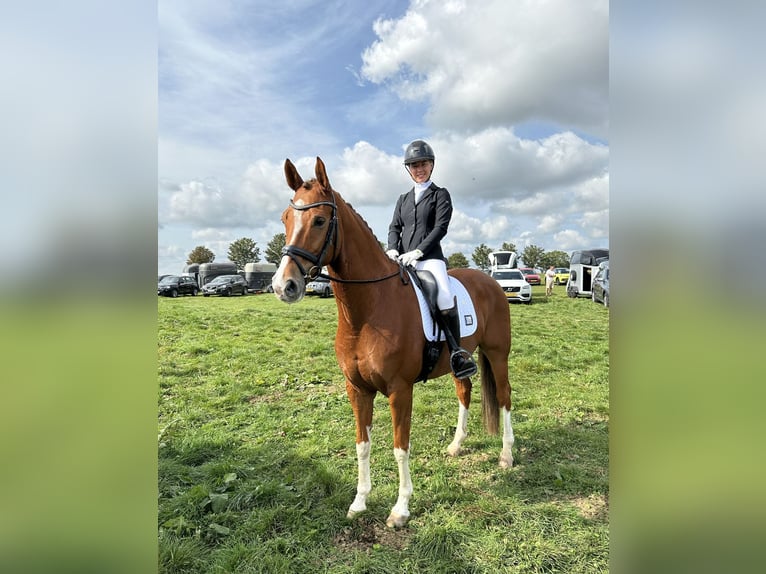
x=460 y=360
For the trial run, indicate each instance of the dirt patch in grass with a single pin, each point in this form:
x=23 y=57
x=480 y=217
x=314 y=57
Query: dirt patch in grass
x=365 y=534
x=594 y=507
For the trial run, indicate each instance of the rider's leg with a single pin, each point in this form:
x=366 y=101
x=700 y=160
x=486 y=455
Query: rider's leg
x=461 y=361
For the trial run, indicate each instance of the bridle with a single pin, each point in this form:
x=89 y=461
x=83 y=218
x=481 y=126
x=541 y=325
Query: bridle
x=330 y=237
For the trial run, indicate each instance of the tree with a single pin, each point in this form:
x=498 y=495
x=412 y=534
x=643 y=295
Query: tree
x=507 y=246
x=532 y=255
x=481 y=257
x=274 y=249
x=200 y=254
x=457 y=261
x=244 y=251
x=555 y=258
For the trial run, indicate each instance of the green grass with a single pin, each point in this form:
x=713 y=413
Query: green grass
x=257 y=464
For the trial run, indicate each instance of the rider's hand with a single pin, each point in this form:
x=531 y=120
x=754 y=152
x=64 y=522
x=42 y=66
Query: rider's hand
x=393 y=254
x=410 y=257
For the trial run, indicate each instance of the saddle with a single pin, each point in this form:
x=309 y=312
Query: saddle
x=424 y=280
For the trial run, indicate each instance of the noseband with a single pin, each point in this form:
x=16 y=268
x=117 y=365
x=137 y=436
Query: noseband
x=318 y=261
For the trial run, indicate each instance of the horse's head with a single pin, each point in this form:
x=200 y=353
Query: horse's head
x=310 y=232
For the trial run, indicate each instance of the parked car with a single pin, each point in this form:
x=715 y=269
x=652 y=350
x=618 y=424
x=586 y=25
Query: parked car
x=175 y=285
x=319 y=286
x=562 y=275
x=600 y=286
x=514 y=285
x=531 y=275
x=225 y=285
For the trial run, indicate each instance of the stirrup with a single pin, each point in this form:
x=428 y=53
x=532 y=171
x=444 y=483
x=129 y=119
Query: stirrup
x=469 y=369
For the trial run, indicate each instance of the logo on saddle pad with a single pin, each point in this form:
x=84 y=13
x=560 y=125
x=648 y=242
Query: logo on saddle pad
x=465 y=310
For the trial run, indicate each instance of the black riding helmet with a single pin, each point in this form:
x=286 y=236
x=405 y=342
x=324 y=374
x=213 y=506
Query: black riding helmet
x=418 y=151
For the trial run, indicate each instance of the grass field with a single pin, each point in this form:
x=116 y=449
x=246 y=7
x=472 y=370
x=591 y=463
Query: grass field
x=257 y=464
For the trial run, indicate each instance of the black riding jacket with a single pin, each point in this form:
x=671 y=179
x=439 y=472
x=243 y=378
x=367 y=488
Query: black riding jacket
x=421 y=226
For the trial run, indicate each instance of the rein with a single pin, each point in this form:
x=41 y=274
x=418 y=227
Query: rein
x=399 y=272
x=318 y=261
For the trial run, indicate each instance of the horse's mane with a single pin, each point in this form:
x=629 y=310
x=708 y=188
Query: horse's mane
x=308 y=184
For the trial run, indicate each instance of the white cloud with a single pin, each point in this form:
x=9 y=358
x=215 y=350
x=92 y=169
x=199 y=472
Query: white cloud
x=569 y=240
x=497 y=62
x=550 y=223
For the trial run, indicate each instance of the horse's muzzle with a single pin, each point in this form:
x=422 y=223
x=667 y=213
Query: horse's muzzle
x=291 y=291
x=288 y=287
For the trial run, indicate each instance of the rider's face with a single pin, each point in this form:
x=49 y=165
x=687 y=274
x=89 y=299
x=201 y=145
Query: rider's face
x=421 y=170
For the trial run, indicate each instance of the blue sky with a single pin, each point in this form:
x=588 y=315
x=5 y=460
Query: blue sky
x=513 y=97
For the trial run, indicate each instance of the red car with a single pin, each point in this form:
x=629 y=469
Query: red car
x=532 y=276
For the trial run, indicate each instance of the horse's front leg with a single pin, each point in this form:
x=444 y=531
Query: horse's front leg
x=361 y=403
x=463 y=390
x=400 y=403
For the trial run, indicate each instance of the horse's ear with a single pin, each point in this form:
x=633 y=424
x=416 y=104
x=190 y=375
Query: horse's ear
x=321 y=174
x=294 y=180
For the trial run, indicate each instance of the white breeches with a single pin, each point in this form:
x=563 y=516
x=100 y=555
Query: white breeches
x=438 y=269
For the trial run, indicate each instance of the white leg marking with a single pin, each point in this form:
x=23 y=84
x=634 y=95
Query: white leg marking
x=460 y=432
x=506 y=458
x=364 y=484
x=400 y=512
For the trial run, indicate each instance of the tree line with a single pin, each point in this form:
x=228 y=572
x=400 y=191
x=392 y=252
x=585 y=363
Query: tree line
x=531 y=256
x=244 y=250
x=241 y=252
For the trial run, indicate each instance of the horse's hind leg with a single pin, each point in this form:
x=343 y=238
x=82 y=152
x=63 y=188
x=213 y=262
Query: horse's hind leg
x=498 y=370
x=506 y=457
x=362 y=404
x=463 y=391
x=496 y=399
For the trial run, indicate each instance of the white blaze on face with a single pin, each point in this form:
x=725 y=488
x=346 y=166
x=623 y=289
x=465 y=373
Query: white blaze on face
x=279 y=280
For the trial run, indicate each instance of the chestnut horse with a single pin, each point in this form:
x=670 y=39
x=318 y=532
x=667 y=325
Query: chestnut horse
x=379 y=343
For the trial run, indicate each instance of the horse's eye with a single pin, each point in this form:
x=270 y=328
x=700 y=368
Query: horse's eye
x=319 y=221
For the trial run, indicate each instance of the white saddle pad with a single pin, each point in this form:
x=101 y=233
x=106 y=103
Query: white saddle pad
x=465 y=310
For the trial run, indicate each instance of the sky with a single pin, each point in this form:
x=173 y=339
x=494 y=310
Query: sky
x=513 y=96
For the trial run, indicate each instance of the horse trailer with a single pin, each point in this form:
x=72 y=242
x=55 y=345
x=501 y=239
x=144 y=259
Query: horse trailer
x=258 y=276
x=583 y=266
x=209 y=271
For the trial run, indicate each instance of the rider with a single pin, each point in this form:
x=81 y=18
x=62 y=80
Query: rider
x=421 y=218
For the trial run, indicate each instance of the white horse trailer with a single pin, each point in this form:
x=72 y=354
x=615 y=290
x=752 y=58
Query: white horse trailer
x=583 y=266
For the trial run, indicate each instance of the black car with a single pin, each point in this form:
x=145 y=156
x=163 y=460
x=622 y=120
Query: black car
x=175 y=285
x=225 y=285
x=600 y=285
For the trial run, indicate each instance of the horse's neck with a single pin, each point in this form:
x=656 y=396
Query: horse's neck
x=360 y=255
x=360 y=259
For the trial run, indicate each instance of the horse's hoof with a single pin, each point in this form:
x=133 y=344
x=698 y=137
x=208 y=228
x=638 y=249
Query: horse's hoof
x=506 y=461
x=453 y=450
x=353 y=513
x=396 y=520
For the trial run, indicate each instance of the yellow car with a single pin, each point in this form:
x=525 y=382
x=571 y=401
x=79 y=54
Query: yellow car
x=562 y=275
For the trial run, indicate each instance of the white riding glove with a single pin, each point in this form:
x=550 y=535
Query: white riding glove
x=393 y=254
x=410 y=257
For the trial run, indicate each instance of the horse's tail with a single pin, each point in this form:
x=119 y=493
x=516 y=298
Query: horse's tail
x=490 y=409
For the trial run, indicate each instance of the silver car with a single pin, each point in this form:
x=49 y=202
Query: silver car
x=319 y=286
